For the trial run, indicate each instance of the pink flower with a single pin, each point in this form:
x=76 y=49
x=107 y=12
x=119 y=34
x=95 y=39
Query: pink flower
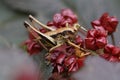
x=79 y=41
x=109 y=23
x=67 y=13
x=111 y=53
x=57 y=20
x=63 y=60
x=32 y=47
x=73 y=63
x=60 y=19
x=96 y=38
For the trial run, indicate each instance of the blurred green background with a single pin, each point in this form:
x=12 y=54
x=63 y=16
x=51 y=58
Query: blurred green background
x=14 y=12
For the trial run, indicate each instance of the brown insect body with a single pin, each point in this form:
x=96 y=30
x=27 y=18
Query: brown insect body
x=54 y=37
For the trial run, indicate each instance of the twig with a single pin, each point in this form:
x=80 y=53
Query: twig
x=113 y=39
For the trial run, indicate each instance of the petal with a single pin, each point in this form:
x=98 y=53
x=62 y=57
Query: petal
x=116 y=51
x=109 y=23
x=65 y=21
x=109 y=28
x=57 y=19
x=59 y=68
x=104 y=17
x=90 y=43
x=54 y=55
x=108 y=48
x=61 y=48
x=69 y=60
x=113 y=59
x=105 y=56
x=95 y=23
x=70 y=50
x=66 y=12
x=73 y=67
x=60 y=58
x=91 y=33
x=114 y=22
x=79 y=41
x=80 y=62
x=69 y=14
x=35 y=49
x=101 y=42
x=100 y=32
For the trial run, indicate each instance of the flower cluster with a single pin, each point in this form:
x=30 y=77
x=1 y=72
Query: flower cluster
x=32 y=46
x=111 y=53
x=109 y=23
x=60 y=19
x=96 y=38
x=64 y=59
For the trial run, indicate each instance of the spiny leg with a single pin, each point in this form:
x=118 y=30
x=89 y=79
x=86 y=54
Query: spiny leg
x=48 y=38
x=37 y=37
x=72 y=44
x=80 y=52
x=32 y=19
x=55 y=47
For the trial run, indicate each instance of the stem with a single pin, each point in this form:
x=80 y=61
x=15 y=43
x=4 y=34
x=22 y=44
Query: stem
x=113 y=39
x=83 y=30
x=39 y=73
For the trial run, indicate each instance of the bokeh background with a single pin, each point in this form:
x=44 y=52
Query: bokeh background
x=14 y=12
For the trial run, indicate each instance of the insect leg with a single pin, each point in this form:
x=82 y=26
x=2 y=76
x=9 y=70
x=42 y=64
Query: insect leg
x=72 y=44
x=31 y=18
x=43 y=36
x=79 y=51
x=55 y=47
x=36 y=36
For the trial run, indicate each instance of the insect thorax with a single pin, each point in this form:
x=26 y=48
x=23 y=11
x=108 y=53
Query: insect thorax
x=61 y=38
